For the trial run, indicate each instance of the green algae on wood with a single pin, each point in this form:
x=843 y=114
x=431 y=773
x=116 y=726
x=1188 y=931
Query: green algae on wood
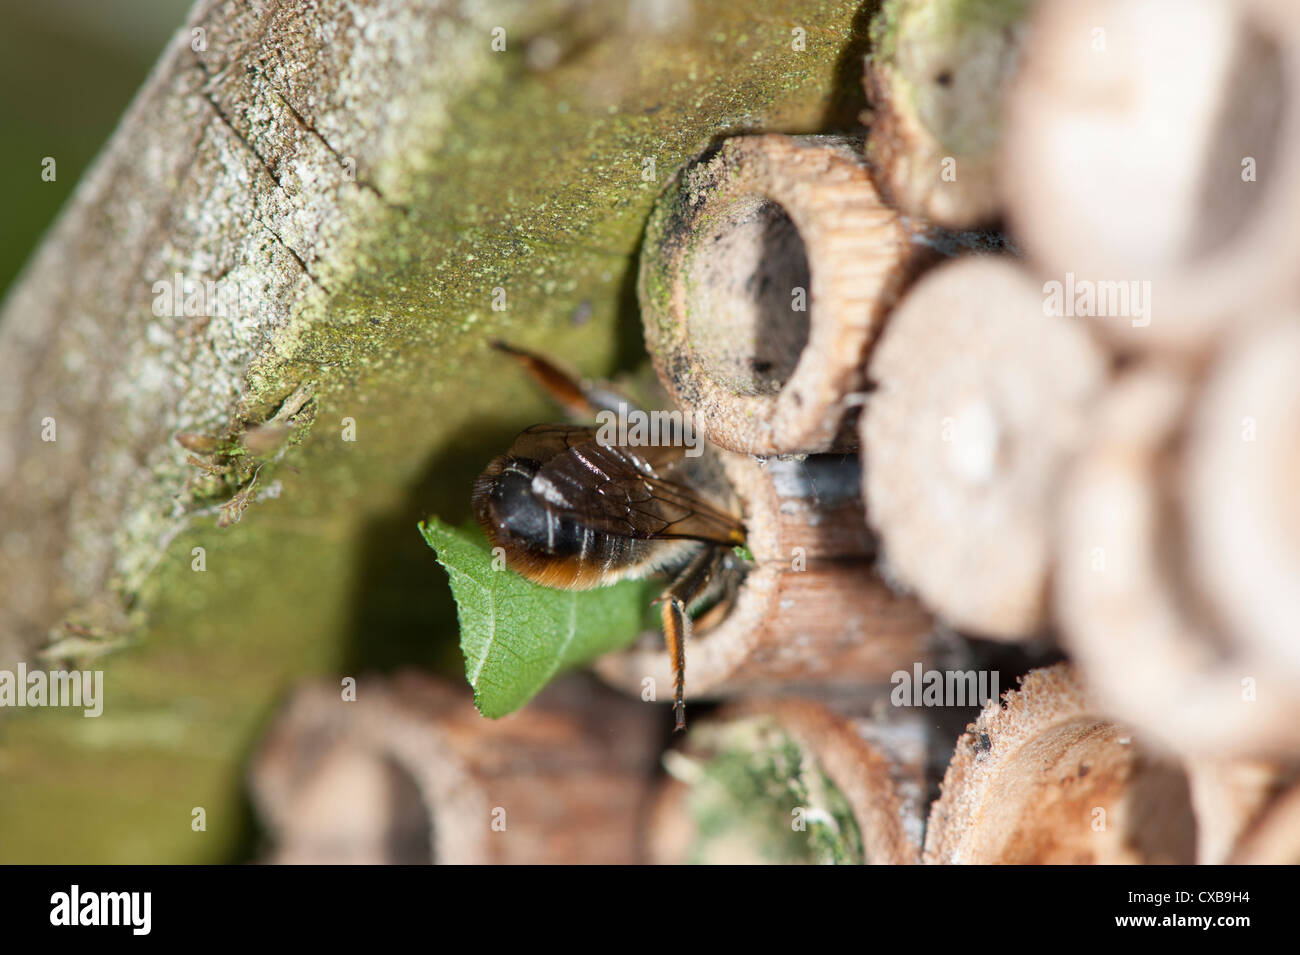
x=474 y=170
x=935 y=81
x=754 y=790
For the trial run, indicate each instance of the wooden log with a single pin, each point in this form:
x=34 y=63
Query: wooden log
x=1143 y=628
x=811 y=612
x=1152 y=161
x=978 y=400
x=744 y=781
x=410 y=771
x=414 y=170
x=393 y=180
x=1046 y=778
x=766 y=268
x=935 y=82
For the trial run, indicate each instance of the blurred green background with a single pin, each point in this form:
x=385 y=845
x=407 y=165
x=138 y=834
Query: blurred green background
x=68 y=69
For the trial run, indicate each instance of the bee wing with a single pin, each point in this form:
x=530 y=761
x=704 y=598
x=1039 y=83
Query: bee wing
x=543 y=442
x=631 y=492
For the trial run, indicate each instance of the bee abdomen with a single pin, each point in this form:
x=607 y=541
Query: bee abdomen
x=543 y=543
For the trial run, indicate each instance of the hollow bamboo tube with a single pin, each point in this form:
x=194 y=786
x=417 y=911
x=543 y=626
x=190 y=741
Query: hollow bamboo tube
x=811 y=612
x=1230 y=797
x=410 y=772
x=1274 y=838
x=1044 y=778
x=876 y=768
x=1152 y=149
x=766 y=268
x=1240 y=488
x=1138 y=610
x=978 y=401
x=935 y=83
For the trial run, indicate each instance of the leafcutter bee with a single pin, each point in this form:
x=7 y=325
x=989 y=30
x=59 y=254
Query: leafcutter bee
x=573 y=510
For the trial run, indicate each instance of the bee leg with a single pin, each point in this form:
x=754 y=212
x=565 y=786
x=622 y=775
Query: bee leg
x=693 y=581
x=581 y=400
x=725 y=587
x=677 y=626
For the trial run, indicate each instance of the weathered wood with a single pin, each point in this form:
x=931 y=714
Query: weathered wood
x=370 y=173
x=1042 y=777
x=978 y=402
x=1230 y=798
x=766 y=272
x=1128 y=172
x=408 y=771
x=935 y=82
x=873 y=769
x=1155 y=643
x=812 y=613
x=1240 y=489
x=303 y=155
x=1275 y=838
x=878 y=766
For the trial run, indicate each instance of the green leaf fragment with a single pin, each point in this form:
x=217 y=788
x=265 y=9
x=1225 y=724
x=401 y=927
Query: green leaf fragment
x=515 y=635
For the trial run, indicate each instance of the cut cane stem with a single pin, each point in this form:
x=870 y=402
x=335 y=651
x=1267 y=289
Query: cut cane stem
x=935 y=82
x=1274 y=839
x=854 y=769
x=1152 y=162
x=765 y=272
x=1158 y=647
x=1045 y=778
x=978 y=401
x=810 y=613
x=410 y=772
x=1229 y=797
x=1240 y=489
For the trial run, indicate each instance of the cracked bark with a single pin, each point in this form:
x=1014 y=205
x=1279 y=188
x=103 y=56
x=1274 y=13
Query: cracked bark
x=86 y=515
x=366 y=173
